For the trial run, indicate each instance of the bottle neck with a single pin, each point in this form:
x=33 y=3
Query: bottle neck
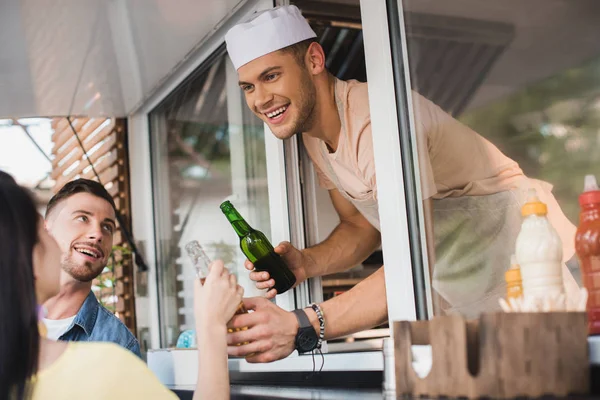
x=238 y=223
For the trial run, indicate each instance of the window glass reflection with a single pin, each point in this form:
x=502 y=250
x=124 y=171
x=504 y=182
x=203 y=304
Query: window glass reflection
x=506 y=97
x=206 y=147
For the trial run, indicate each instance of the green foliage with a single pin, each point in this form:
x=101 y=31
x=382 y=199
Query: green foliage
x=107 y=278
x=551 y=128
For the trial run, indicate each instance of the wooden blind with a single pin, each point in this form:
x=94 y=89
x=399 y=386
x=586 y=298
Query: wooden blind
x=105 y=143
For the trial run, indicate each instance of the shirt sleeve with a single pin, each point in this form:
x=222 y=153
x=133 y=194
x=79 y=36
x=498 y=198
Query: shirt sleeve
x=366 y=156
x=424 y=124
x=324 y=181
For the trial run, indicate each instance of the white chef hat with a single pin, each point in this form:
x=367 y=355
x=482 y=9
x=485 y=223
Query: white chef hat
x=266 y=32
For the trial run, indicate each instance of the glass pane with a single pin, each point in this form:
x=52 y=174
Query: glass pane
x=342 y=42
x=505 y=97
x=206 y=147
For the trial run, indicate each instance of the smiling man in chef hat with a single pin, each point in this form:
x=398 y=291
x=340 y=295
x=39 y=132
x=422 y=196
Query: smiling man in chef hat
x=281 y=70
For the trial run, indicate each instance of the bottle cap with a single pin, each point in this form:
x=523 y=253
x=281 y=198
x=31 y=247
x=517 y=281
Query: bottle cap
x=226 y=206
x=533 y=205
x=591 y=193
x=514 y=273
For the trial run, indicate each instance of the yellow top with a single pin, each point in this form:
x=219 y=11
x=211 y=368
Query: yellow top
x=98 y=371
x=533 y=205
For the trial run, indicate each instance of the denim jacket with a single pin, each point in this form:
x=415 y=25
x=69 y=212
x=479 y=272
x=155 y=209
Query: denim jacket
x=94 y=323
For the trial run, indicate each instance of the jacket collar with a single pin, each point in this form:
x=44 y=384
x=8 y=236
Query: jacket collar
x=86 y=316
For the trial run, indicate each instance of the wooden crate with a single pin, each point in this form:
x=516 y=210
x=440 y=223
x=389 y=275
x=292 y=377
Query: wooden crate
x=502 y=355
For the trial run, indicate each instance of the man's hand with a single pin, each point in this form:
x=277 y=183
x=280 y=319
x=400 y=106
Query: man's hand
x=296 y=260
x=271 y=332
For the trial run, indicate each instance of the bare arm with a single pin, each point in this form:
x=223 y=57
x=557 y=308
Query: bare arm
x=213 y=372
x=362 y=307
x=215 y=302
x=350 y=243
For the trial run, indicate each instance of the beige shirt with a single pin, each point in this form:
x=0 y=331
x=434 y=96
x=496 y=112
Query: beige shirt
x=453 y=160
x=477 y=194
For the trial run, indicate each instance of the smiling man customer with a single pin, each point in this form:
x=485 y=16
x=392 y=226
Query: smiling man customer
x=81 y=218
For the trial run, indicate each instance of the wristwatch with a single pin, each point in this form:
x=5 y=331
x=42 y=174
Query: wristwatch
x=306 y=338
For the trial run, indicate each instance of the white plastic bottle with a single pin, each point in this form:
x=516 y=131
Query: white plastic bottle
x=539 y=251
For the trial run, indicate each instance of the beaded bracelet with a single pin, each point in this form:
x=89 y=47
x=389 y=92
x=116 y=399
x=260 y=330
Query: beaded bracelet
x=319 y=313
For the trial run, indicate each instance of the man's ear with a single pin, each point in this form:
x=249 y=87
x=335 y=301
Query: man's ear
x=315 y=56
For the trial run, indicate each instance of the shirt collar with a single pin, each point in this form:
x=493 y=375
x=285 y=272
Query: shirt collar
x=86 y=317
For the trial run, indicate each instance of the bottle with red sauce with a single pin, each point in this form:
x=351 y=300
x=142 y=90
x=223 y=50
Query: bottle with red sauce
x=587 y=246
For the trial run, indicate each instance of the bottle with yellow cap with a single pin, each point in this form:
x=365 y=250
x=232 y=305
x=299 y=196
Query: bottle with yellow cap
x=514 y=283
x=539 y=251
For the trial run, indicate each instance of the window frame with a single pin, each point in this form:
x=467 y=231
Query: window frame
x=141 y=164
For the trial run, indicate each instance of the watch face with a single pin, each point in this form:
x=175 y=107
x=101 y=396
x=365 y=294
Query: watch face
x=306 y=340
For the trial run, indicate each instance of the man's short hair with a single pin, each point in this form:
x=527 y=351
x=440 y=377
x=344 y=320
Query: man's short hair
x=80 y=186
x=298 y=50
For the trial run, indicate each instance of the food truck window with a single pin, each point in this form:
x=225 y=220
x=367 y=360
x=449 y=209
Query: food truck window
x=500 y=90
x=207 y=146
x=339 y=31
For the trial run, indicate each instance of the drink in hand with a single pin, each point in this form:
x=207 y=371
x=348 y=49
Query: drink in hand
x=257 y=248
x=201 y=263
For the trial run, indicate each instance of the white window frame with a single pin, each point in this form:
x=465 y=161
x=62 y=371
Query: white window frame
x=140 y=163
x=388 y=161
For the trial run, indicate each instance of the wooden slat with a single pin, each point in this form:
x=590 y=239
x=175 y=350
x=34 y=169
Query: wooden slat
x=87 y=144
x=83 y=132
x=84 y=136
x=120 y=307
x=110 y=174
x=117 y=238
x=123 y=303
x=117 y=256
x=63 y=125
x=100 y=168
x=106 y=147
x=59 y=138
x=119 y=271
x=114 y=190
x=57 y=124
x=76 y=152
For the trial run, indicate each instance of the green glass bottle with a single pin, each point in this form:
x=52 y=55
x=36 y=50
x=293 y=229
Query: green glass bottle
x=258 y=249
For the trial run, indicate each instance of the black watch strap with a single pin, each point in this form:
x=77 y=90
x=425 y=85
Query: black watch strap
x=302 y=319
x=306 y=337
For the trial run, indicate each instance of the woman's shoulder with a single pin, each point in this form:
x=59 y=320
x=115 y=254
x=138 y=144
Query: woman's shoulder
x=76 y=375
x=82 y=354
x=101 y=350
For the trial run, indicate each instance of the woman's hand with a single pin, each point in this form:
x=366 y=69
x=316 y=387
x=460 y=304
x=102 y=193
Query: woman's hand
x=216 y=301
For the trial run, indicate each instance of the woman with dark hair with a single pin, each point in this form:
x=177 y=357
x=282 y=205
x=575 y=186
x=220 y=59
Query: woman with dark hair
x=34 y=367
